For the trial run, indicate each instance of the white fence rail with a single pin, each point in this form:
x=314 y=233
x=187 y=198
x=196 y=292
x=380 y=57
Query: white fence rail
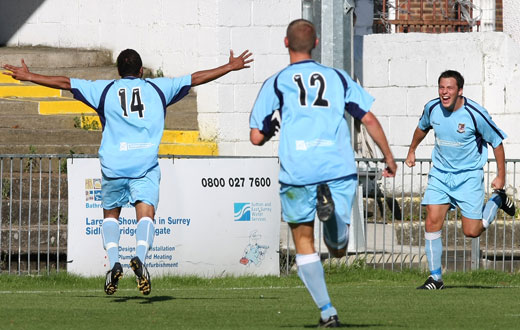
x=390 y=232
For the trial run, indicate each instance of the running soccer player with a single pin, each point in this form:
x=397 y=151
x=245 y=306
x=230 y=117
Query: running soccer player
x=131 y=111
x=462 y=131
x=318 y=173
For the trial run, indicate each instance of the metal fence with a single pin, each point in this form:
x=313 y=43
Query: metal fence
x=389 y=232
x=392 y=225
x=33 y=214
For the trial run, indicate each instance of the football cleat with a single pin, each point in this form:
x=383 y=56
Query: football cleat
x=325 y=204
x=112 y=278
x=431 y=284
x=142 y=276
x=331 y=322
x=507 y=203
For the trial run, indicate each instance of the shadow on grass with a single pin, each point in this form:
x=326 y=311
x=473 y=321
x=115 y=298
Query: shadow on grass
x=143 y=299
x=153 y=299
x=343 y=325
x=474 y=287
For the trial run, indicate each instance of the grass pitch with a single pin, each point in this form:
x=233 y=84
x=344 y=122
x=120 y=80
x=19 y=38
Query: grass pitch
x=365 y=298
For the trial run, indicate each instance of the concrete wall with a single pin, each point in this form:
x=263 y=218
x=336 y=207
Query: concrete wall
x=401 y=72
x=512 y=19
x=178 y=37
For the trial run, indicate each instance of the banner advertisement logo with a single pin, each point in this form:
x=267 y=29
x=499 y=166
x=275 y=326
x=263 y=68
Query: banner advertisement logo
x=242 y=211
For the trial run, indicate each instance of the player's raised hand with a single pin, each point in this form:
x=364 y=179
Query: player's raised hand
x=18 y=72
x=240 y=62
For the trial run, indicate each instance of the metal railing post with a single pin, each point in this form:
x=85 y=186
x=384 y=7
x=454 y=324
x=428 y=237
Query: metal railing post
x=475 y=253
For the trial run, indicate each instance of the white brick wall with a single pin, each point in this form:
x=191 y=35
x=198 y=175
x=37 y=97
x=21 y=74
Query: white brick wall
x=181 y=37
x=512 y=19
x=401 y=71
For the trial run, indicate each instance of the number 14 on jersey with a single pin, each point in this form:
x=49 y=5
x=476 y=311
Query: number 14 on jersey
x=136 y=105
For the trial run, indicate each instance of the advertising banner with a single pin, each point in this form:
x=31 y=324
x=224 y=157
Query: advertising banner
x=216 y=217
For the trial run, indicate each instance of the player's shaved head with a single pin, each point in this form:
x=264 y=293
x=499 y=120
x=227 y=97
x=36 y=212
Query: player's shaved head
x=129 y=63
x=301 y=35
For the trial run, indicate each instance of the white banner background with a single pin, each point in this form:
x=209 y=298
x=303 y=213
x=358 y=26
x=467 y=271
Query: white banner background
x=216 y=216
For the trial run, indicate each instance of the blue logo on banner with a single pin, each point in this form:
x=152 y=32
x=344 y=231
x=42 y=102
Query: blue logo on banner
x=242 y=212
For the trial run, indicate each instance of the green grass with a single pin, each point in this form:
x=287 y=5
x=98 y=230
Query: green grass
x=365 y=298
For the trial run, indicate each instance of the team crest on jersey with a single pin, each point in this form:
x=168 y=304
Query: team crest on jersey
x=462 y=128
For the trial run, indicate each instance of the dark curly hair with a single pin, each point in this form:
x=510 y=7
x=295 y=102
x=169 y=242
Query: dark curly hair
x=129 y=63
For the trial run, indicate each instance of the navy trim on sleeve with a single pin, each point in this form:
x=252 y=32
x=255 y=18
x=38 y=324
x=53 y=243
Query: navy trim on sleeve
x=478 y=137
x=78 y=96
x=182 y=93
x=159 y=91
x=343 y=81
x=266 y=124
x=101 y=109
x=484 y=117
x=430 y=109
x=355 y=111
x=351 y=107
x=279 y=94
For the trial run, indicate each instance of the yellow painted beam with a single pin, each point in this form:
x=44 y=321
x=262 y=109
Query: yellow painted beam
x=5 y=79
x=66 y=107
x=28 y=91
x=171 y=136
x=198 y=149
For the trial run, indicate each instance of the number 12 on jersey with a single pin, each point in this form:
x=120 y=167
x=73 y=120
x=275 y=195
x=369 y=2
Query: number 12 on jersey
x=316 y=80
x=136 y=105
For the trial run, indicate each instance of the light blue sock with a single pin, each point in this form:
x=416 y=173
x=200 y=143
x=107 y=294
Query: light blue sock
x=311 y=273
x=490 y=210
x=144 y=237
x=434 y=253
x=110 y=235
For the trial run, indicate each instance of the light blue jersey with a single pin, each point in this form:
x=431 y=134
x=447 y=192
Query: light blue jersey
x=314 y=134
x=461 y=136
x=131 y=111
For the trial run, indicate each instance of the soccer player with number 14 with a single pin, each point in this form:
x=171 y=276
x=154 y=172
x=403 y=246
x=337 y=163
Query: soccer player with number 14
x=131 y=111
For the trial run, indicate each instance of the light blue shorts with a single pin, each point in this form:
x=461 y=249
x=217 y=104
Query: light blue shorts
x=117 y=192
x=463 y=189
x=299 y=206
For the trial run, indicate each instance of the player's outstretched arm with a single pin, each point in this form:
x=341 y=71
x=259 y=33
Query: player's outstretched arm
x=235 y=63
x=22 y=73
x=418 y=136
x=376 y=132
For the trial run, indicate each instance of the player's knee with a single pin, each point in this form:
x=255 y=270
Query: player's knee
x=472 y=232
